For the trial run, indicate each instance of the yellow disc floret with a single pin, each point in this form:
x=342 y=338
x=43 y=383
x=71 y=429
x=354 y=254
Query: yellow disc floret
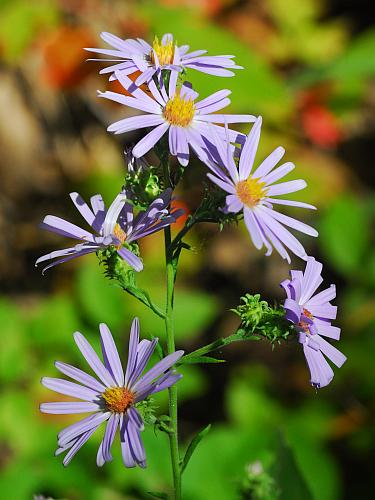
x=164 y=52
x=179 y=111
x=251 y=191
x=118 y=399
x=119 y=234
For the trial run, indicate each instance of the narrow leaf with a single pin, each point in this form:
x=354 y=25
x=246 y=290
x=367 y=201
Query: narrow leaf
x=200 y=359
x=192 y=446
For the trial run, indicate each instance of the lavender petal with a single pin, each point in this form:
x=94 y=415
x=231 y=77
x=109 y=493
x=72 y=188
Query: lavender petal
x=249 y=150
x=70 y=389
x=110 y=354
x=68 y=407
x=93 y=360
x=145 y=144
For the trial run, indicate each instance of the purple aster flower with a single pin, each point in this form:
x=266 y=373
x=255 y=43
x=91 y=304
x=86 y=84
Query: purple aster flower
x=137 y=55
x=312 y=315
x=177 y=112
x=254 y=193
x=112 y=397
x=114 y=227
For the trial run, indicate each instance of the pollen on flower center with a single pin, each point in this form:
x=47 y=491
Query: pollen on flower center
x=179 y=111
x=118 y=399
x=119 y=234
x=302 y=324
x=165 y=53
x=251 y=191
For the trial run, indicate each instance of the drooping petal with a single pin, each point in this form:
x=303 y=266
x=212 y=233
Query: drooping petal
x=291 y=222
x=293 y=310
x=136 y=419
x=283 y=234
x=74 y=430
x=127 y=456
x=136 y=444
x=74 y=255
x=133 y=260
x=77 y=446
x=145 y=144
x=320 y=371
x=253 y=228
x=233 y=203
x=104 y=452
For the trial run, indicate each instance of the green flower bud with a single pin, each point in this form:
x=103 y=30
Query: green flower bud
x=260 y=319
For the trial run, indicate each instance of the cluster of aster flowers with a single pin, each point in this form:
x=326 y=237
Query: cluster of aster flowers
x=177 y=122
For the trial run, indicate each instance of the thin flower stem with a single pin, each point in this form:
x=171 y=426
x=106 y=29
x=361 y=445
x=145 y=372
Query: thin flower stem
x=217 y=344
x=169 y=328
x=188 y=225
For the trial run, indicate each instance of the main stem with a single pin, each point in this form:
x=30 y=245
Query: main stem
x=169 y=328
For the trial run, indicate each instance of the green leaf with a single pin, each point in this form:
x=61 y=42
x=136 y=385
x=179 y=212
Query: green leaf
x=192 y=446
x=157 y=494
x=199 y=359
x=288 y=476
x=144 y=297
x=345 y=234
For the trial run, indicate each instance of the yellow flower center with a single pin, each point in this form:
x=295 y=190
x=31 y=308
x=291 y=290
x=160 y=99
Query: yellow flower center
x=118 y=399
x=179 y=111
x=165 y=52
x=119 y=234
x=302 y=324
x=251 y=191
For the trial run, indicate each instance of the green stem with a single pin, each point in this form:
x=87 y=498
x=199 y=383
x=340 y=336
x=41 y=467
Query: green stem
x=217 y=344
x=144 y=297
x=169 y=328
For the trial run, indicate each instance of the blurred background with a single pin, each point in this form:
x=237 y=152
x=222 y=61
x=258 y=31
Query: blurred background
x=309 y=70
